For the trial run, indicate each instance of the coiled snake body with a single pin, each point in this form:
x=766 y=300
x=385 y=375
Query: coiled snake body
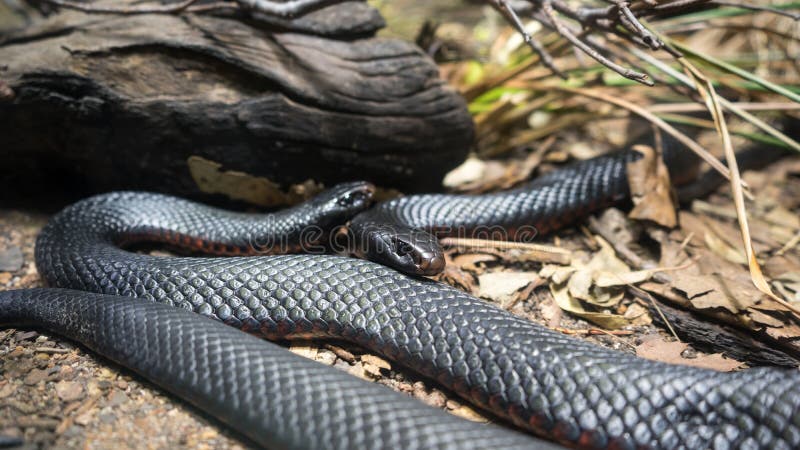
x=555 y=386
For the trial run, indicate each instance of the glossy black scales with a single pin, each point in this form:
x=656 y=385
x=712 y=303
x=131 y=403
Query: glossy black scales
x=554 y=385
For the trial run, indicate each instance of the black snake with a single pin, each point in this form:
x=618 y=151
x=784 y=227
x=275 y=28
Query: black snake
x=564 y=389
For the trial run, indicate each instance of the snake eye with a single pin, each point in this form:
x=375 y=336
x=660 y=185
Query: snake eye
x=403 y=248
x=352 y=198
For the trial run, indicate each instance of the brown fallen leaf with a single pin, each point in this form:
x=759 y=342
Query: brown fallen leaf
x=638 y=315
x=572 y=305
x=651 y=190
x=304 y=348
x=472 y=261
x=501 y=286
x=722 y=249
x=454 y=276
x=731 y=292
x=670 y=352
x=373 y=365
x=211 y=178
x=551 y=312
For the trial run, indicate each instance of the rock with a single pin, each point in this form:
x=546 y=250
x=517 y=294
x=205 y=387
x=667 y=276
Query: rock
x=35 y=376
x=69 y=390
x=11 y=259
x=117 y=398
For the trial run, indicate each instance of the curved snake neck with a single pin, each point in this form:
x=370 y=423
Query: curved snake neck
x=556 y=386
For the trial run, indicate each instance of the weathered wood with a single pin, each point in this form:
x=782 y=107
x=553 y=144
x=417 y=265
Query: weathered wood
x=112 y=102
x=719 y=338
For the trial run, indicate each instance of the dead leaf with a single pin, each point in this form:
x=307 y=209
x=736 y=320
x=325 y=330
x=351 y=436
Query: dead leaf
x=651 y=190
x=470 y=261
x=581 y=286
x=556 y=274
x=211 y=178
x=304 y=349
x=717 y=291
x=670 y=352
x=722 y=249
x=470 y=171
x=638 y=315
x=373 y=365
x=501 y=286
x=609 y=279
x=455 y=276
x=606 y=259
x=572 y=305
x=763 y=318
x=551 y=313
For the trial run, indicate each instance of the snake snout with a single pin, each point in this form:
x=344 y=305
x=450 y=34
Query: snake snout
x=406 y=250
x=416 y=252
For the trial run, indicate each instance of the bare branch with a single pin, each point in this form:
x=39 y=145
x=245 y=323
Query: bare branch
x=506 y=10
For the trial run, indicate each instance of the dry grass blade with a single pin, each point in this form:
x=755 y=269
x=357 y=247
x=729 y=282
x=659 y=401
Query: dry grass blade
x=780 y=90
x=728 y=105
x=544 y=253
x=744 y=106
x=655 y=120
x=706 y=89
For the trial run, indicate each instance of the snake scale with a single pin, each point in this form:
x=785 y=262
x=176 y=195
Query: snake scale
x=555 y=386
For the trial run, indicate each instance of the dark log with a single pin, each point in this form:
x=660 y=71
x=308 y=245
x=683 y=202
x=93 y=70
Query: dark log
x=713 y=337
x=102 y=102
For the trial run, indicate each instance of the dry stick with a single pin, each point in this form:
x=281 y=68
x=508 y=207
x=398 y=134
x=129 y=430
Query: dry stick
x=673 y=7
x=594 y=331
x=510 y=15
x=641 y=292
x=543 y=252
x=629 y=19
x=563 y=30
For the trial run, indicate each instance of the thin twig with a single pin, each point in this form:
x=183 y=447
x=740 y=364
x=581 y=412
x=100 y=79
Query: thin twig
x=510 y=15
x=563 y=30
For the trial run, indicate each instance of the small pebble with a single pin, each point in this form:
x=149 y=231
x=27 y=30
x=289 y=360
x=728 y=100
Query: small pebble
x=11 y=259
x=107 y=417
x=117 y=398
x=69 y=390
x=35 y=376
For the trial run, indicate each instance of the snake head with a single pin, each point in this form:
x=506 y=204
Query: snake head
x=340 y=203
x=407 y=250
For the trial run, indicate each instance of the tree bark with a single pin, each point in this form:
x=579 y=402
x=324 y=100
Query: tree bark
x=103 y=102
